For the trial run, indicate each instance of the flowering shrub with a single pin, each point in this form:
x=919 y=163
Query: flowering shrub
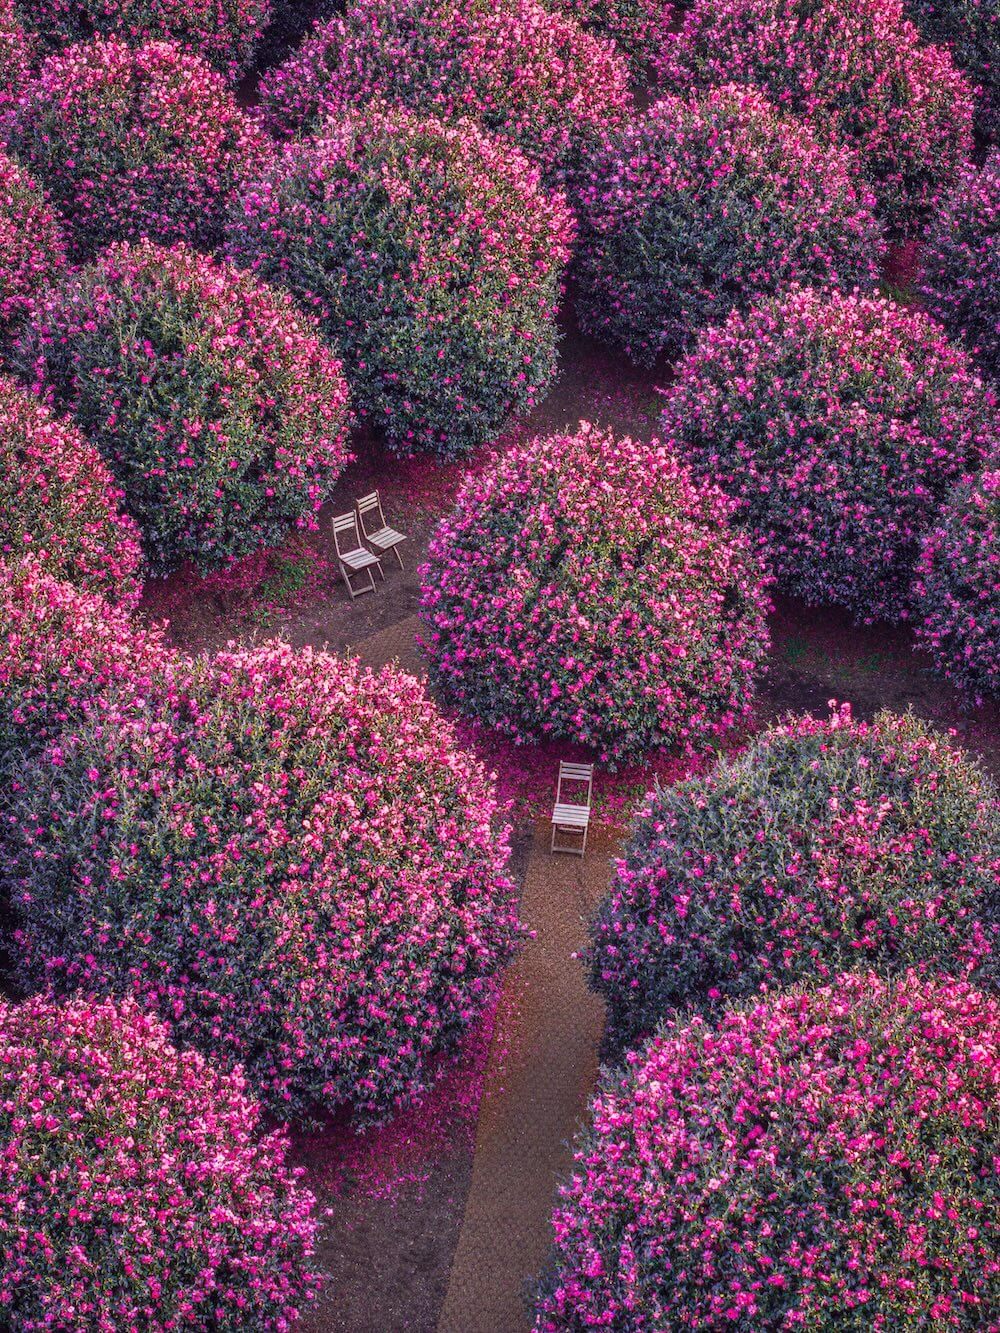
x=132 y=143
x=297 y=871
x=66 y=657
x=215 y=404
x=970 y=29
x=526 y=73
x=855 y=70
x=821 y=1159
x=826 y=845
x=434 y=260
x=31 y=243
x=636 y=26
x=698 y=206
x=223 y=32
x=960 y=276
x=15 y=55
x=58 y=502
x=838 y=423
x=137 y=1190
x=585 y=588
x=957 y=590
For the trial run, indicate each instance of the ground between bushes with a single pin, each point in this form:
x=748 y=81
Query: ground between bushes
x=433 y=1223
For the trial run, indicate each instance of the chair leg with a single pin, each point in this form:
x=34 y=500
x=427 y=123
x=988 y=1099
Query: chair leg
x=395 y=551
x=347 y=580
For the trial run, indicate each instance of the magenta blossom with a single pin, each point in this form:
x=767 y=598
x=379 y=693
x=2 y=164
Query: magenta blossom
x=825 y=846
x=133 y=143
x=837 y=423
x=699 y=206
x=433 y=258
x=59 y=504
x=585 y=588
x=283 y=856
x=960 y=263
x=213 y=400
x=137 y=1189
x=855 y=71
x=817 y=1159
x=223 y=32
x=526 y=72
x=957 y=589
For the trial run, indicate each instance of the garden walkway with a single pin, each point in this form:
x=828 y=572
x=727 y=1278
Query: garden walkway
x=541 y=1072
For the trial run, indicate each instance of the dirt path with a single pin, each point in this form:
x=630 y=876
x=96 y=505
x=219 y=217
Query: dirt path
x=541 y=1071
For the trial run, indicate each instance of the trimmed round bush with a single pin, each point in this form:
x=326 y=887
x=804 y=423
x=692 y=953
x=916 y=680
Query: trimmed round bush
x=132 y=143
x=66 y=657
x=434 y=261
x=957 y=590
x=32 y=250
x=528 y=74
x=855 y=70
x=960 y=263
x=298 y=871
x=59 y=503
x=637 y=27
x=137 y=1188
x=223 y=32
x=585 y=588
x=838 y=424
x=819 y=1160
x=214 y=402
x=970 y=29
x=827 y=845
x=15 y=55
x=701 y=205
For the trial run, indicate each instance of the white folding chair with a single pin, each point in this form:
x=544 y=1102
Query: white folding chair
x=572 y=817
x=352 y=557
x=383 y=538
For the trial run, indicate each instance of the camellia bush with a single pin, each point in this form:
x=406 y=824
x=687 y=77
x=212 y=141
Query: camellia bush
x=838 y=424
x=960 y=263
x=527 y=73
x=957 y=589
x=214 y=402
x=224 y=32
x=137 y=1187
x=855 y=70
x=32 y=250
x=64 y=651
x=59 y=503
x=298 y=872
x=132 y=143
x=15 y=55
x=434 y=261
x=637 y=27
x=700 y=205
x=818 y=1159
x=585 y=588
x=825 y=846
x=970 y=29
x=67 y=658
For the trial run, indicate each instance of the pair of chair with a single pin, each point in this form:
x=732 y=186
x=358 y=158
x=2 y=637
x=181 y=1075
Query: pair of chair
x=572 y=817
x=353 y=556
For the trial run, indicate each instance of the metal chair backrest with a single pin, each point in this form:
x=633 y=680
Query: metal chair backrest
x=346 y=523
x=369 y=504
x=575 y=773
